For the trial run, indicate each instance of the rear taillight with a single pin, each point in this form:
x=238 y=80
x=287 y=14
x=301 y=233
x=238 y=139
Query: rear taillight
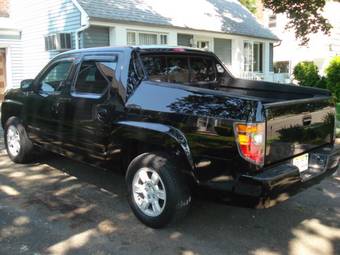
x=250 y=140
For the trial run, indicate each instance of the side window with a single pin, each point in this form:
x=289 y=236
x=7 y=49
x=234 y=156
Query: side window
x=155 y=66
x=136 y=74
x=95 y=76
x=178 y=69
x=202 y=69
x=52 y=80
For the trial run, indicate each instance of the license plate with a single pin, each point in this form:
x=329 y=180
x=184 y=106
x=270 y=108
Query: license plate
x=301 y=162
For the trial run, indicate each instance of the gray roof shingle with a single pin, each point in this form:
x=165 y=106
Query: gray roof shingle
x=226 y=16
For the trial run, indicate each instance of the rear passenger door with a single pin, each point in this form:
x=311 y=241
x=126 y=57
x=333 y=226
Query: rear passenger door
x=93 y=106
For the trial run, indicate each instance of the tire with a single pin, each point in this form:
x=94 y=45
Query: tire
x=165 y=184
x=21 y=148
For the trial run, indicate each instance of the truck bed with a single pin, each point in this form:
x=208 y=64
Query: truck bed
x=268 y=92
x=298 y=119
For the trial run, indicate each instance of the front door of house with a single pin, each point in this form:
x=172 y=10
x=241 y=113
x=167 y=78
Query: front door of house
x=2 y=73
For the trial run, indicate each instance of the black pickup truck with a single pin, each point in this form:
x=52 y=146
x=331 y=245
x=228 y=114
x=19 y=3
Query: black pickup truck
x=173 y=119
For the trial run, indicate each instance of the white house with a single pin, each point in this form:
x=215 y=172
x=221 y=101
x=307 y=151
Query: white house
x=10 y=50
x=320 y=49
x=223 y=26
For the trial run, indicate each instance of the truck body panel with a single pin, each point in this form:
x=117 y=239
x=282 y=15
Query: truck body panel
x=191 y=120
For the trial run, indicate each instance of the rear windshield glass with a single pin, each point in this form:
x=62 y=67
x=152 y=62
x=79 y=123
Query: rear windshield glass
x=183 y=69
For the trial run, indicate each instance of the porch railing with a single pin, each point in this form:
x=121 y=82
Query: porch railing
x=252 y=76
x=273 y=77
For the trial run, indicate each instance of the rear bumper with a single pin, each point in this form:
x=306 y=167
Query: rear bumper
x=278 y=183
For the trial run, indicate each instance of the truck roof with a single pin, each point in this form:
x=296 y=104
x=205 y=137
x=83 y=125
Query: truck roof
x=143 y=48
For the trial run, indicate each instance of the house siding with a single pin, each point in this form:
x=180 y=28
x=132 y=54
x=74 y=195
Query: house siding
x=95 y=37
x=45 y=17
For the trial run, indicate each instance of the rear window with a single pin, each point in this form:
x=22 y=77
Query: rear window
x=156 y=67
x=183 y=69
x=178 y=69
x=202 y=69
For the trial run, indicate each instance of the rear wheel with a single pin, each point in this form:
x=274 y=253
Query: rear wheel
x=158 y=194
x=18 y=145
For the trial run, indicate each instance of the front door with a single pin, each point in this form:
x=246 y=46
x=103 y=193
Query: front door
x=2 y=73
x=42 y=112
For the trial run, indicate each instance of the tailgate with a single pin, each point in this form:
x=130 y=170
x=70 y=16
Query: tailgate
x=295 y=127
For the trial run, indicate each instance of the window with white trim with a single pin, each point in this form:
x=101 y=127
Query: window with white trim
x=131 y=38
x=146 y=38
x=253 y=56
x=272 y=21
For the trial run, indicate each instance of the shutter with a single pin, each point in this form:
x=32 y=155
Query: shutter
x=223 y=49
x=185 y=40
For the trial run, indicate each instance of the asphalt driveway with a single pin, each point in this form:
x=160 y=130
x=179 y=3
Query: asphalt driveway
x=59 y=206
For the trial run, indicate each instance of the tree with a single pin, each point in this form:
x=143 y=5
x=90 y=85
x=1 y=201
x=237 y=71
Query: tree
x=333 y=77
x=305 y=16
x=250 y=5
x=307 y=74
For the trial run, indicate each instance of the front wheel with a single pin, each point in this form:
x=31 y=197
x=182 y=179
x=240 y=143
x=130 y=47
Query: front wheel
x=18 y=145
x=158 y=194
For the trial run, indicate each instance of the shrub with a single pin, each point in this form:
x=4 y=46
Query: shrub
x=307 y=74
x=333 y=77
x=338 y=110
x=338 y=120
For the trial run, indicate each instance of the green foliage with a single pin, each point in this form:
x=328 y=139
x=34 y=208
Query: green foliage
x=305 y=16
x=333 y=78
x=338 y=110
x=307 y=74
x=250 y=5
x=338 y=120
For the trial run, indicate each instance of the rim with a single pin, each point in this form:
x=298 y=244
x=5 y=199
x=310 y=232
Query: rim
x=149 y=192
x=13 y=141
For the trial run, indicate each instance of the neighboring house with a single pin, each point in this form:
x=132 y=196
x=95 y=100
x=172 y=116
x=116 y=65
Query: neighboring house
x=11 y=69
x=223 y=26
x=320 y=49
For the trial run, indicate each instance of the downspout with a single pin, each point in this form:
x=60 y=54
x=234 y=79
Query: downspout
x=78 y=31
x=84 y=21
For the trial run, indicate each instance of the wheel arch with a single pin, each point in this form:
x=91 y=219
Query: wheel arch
x=147 y=137
x=10 y=109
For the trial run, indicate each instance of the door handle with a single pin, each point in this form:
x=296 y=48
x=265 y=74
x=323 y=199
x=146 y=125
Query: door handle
x=307 y=120
x=102 y=114
x=57 y=106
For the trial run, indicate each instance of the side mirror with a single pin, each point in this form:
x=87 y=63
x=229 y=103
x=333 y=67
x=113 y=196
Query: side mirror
x=26 y=85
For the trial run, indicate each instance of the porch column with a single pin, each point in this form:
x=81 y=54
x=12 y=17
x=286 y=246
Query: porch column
x=237 y=57
x=172 y=38
x=268 y=76
x=118 y=36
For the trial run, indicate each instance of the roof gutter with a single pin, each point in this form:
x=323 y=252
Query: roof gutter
x=84 y=21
